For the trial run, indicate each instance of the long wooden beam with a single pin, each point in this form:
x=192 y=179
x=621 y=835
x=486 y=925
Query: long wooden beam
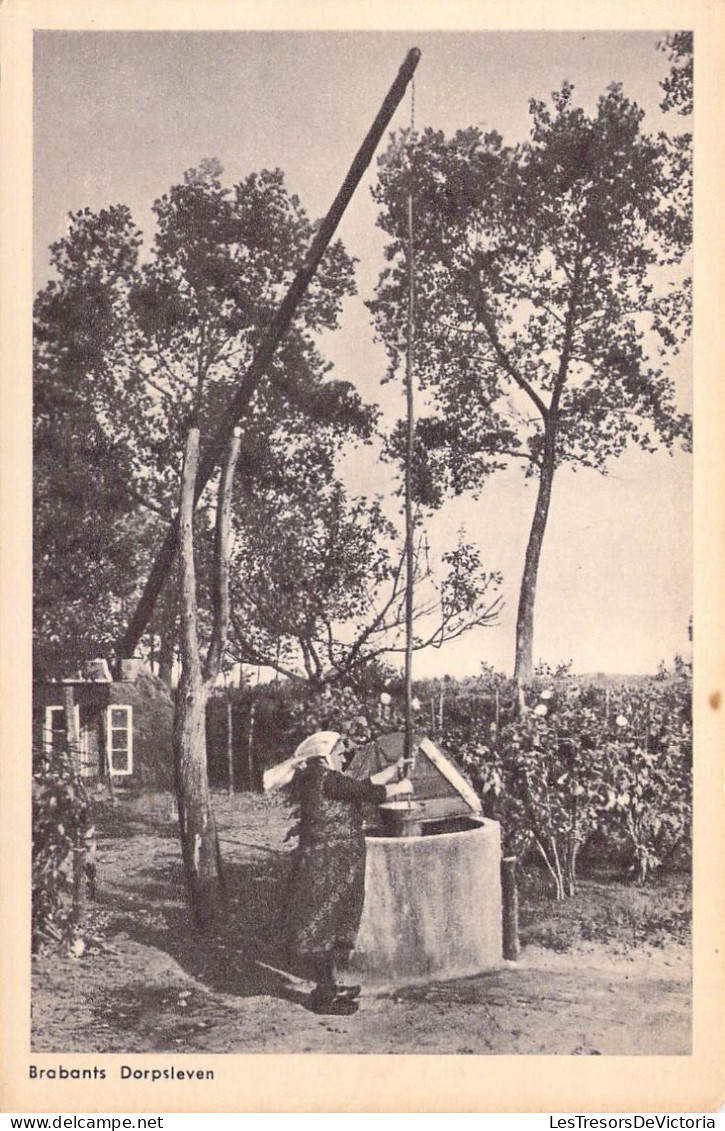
x=279 y=326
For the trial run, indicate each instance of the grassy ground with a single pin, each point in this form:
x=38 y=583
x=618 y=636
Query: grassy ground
x=607 y=972
x=609 y=911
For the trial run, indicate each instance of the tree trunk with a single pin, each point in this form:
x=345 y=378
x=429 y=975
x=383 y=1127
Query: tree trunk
x=553 y=864
x=571 y=876
x=524 y=665
x=197 y=828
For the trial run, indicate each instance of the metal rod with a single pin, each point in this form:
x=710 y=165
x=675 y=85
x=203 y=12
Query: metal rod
x=280 y=324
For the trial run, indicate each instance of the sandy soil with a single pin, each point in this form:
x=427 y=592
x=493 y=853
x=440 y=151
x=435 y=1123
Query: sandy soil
x=147 y=982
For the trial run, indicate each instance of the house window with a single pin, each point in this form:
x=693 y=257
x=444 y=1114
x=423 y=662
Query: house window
x=120 y=739
x=54 y=735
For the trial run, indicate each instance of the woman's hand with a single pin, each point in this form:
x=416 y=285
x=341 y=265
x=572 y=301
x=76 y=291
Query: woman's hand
x=391 y=773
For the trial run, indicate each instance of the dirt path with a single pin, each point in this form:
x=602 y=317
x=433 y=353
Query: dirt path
x=147 y=983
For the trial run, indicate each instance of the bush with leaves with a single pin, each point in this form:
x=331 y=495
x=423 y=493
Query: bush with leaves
x=601 y=765
x=647 y=766
x=540 y=775
x=358 y=717
x=583 y=763
x=62 y=831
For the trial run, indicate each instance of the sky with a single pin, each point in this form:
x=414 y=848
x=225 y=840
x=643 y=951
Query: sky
x=118 y=118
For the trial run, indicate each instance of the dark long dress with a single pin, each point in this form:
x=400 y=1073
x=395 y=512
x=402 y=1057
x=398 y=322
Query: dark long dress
x=327 y=885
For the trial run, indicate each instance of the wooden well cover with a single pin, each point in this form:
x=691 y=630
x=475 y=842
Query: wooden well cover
x=438 y=785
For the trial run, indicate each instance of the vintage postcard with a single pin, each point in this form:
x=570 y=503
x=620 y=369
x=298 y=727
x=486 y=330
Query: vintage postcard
x=362 y=668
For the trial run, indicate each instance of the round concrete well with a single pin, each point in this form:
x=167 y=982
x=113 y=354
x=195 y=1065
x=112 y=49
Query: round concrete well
x=432 y=905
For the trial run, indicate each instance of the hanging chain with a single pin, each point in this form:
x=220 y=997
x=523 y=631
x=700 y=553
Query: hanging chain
x=412 y=107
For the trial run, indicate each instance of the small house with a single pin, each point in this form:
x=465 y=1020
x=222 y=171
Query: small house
x=124 y=725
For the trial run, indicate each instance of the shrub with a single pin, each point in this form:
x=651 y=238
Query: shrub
x=648 y=764
x=62 y=833
x=583 y=762
x=542 y=771
x=588 y=762
x=343 y=709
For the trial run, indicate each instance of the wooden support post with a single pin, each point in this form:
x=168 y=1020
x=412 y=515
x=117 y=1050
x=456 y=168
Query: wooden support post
x=230 y=749
x=106 y=755
x=72 y=736
x=510 y=908
x=250 y=748
x=74 y=753
x=79 y=855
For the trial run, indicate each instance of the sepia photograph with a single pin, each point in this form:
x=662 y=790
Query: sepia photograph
x=363 y=565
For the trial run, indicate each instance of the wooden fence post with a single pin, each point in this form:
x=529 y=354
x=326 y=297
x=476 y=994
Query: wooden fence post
x=73 y=743
x=71 y=730
x=230 y=750
x=250 y=745
x=106 y=755
x=510 y=909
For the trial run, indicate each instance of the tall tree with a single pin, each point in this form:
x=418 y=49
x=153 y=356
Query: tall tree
x=146 y=344
x=128 y=345
x=550 y=290
x=91 y=537
x=197 y=826
x=678 y=85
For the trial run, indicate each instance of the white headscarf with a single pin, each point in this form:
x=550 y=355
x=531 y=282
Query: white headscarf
x=319 y=745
